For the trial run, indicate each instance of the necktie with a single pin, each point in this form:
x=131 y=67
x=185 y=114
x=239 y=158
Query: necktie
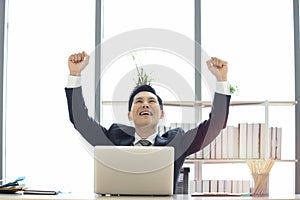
x=144 y=142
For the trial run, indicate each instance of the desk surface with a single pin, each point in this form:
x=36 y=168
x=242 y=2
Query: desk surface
x=93 y=197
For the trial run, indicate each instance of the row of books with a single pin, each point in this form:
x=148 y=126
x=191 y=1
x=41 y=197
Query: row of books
x=245 y=141
x=220 y=186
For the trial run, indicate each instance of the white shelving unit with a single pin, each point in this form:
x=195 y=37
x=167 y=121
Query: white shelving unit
x=199 y=162
x=196 y=105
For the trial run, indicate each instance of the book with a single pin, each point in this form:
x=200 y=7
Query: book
x=272 y=142
x=245 y=186
x=242 y=140
x=235 y=186
x=40 y=192
x=278 y=143
x=227 y=186
x=230 y=141
x=224 y=143
x=206 y=152
x=235 y=142
x=255 y=140
x=205 y=186
x=221 y=185
x=213 y=149
x=249 y=141
x=264 y=144
x=218 y=148
x=213 y=186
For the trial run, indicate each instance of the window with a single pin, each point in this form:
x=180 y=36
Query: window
x=256 y=37
x=118 y=78
x=41 y=142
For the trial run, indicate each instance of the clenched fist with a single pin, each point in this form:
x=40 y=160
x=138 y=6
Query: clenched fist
x=77 y=62
x=218 y=68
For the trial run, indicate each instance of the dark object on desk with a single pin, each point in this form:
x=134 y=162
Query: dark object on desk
x=40 y=192
x=183 y=181
x=9 y=191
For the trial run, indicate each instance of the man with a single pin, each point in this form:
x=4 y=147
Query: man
x=145 y=109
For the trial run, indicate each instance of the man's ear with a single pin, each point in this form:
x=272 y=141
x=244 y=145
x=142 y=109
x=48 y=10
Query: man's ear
x=129 y=116
x=162 y=115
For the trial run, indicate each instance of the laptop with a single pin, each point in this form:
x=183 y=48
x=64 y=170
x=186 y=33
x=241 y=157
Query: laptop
x=133 y=170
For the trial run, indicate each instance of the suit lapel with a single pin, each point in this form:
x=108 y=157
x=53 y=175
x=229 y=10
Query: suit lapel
x=166 y=138
x=121 y=135
x=160 y=141
x=128 y=141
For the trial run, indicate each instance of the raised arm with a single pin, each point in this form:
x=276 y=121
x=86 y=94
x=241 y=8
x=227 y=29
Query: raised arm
x=197 y=138
x=89 y=128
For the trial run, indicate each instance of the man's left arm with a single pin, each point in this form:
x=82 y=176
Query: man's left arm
x=197 y=138
x=202 y=135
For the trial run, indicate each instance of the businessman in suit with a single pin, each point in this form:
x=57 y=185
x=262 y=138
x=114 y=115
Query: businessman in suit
x=145 y=109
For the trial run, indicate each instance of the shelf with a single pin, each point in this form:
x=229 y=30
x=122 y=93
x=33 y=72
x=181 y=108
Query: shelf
x=257 y=163
x=225 y=161
x=204 y=104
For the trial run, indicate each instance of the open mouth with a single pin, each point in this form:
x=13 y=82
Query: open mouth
x=145 y=113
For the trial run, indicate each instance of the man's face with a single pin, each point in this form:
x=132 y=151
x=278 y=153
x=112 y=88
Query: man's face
x=145 y=110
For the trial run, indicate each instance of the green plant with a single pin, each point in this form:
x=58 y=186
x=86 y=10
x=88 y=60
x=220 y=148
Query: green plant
x=142 y=77
x=233 y=89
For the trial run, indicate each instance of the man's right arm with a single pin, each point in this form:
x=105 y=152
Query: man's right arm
x=90 y=129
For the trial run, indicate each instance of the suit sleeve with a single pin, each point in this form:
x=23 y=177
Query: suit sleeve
x=90 y=129
x=199 y=137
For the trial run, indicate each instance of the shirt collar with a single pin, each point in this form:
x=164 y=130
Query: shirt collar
x=151 y=138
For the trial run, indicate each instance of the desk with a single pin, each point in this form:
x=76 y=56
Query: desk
x=94 y=197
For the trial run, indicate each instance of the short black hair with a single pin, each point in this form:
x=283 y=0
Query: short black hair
x=143 y=88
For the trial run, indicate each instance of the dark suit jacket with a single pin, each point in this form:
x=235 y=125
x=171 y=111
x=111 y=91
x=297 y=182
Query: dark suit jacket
x=184 y=143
